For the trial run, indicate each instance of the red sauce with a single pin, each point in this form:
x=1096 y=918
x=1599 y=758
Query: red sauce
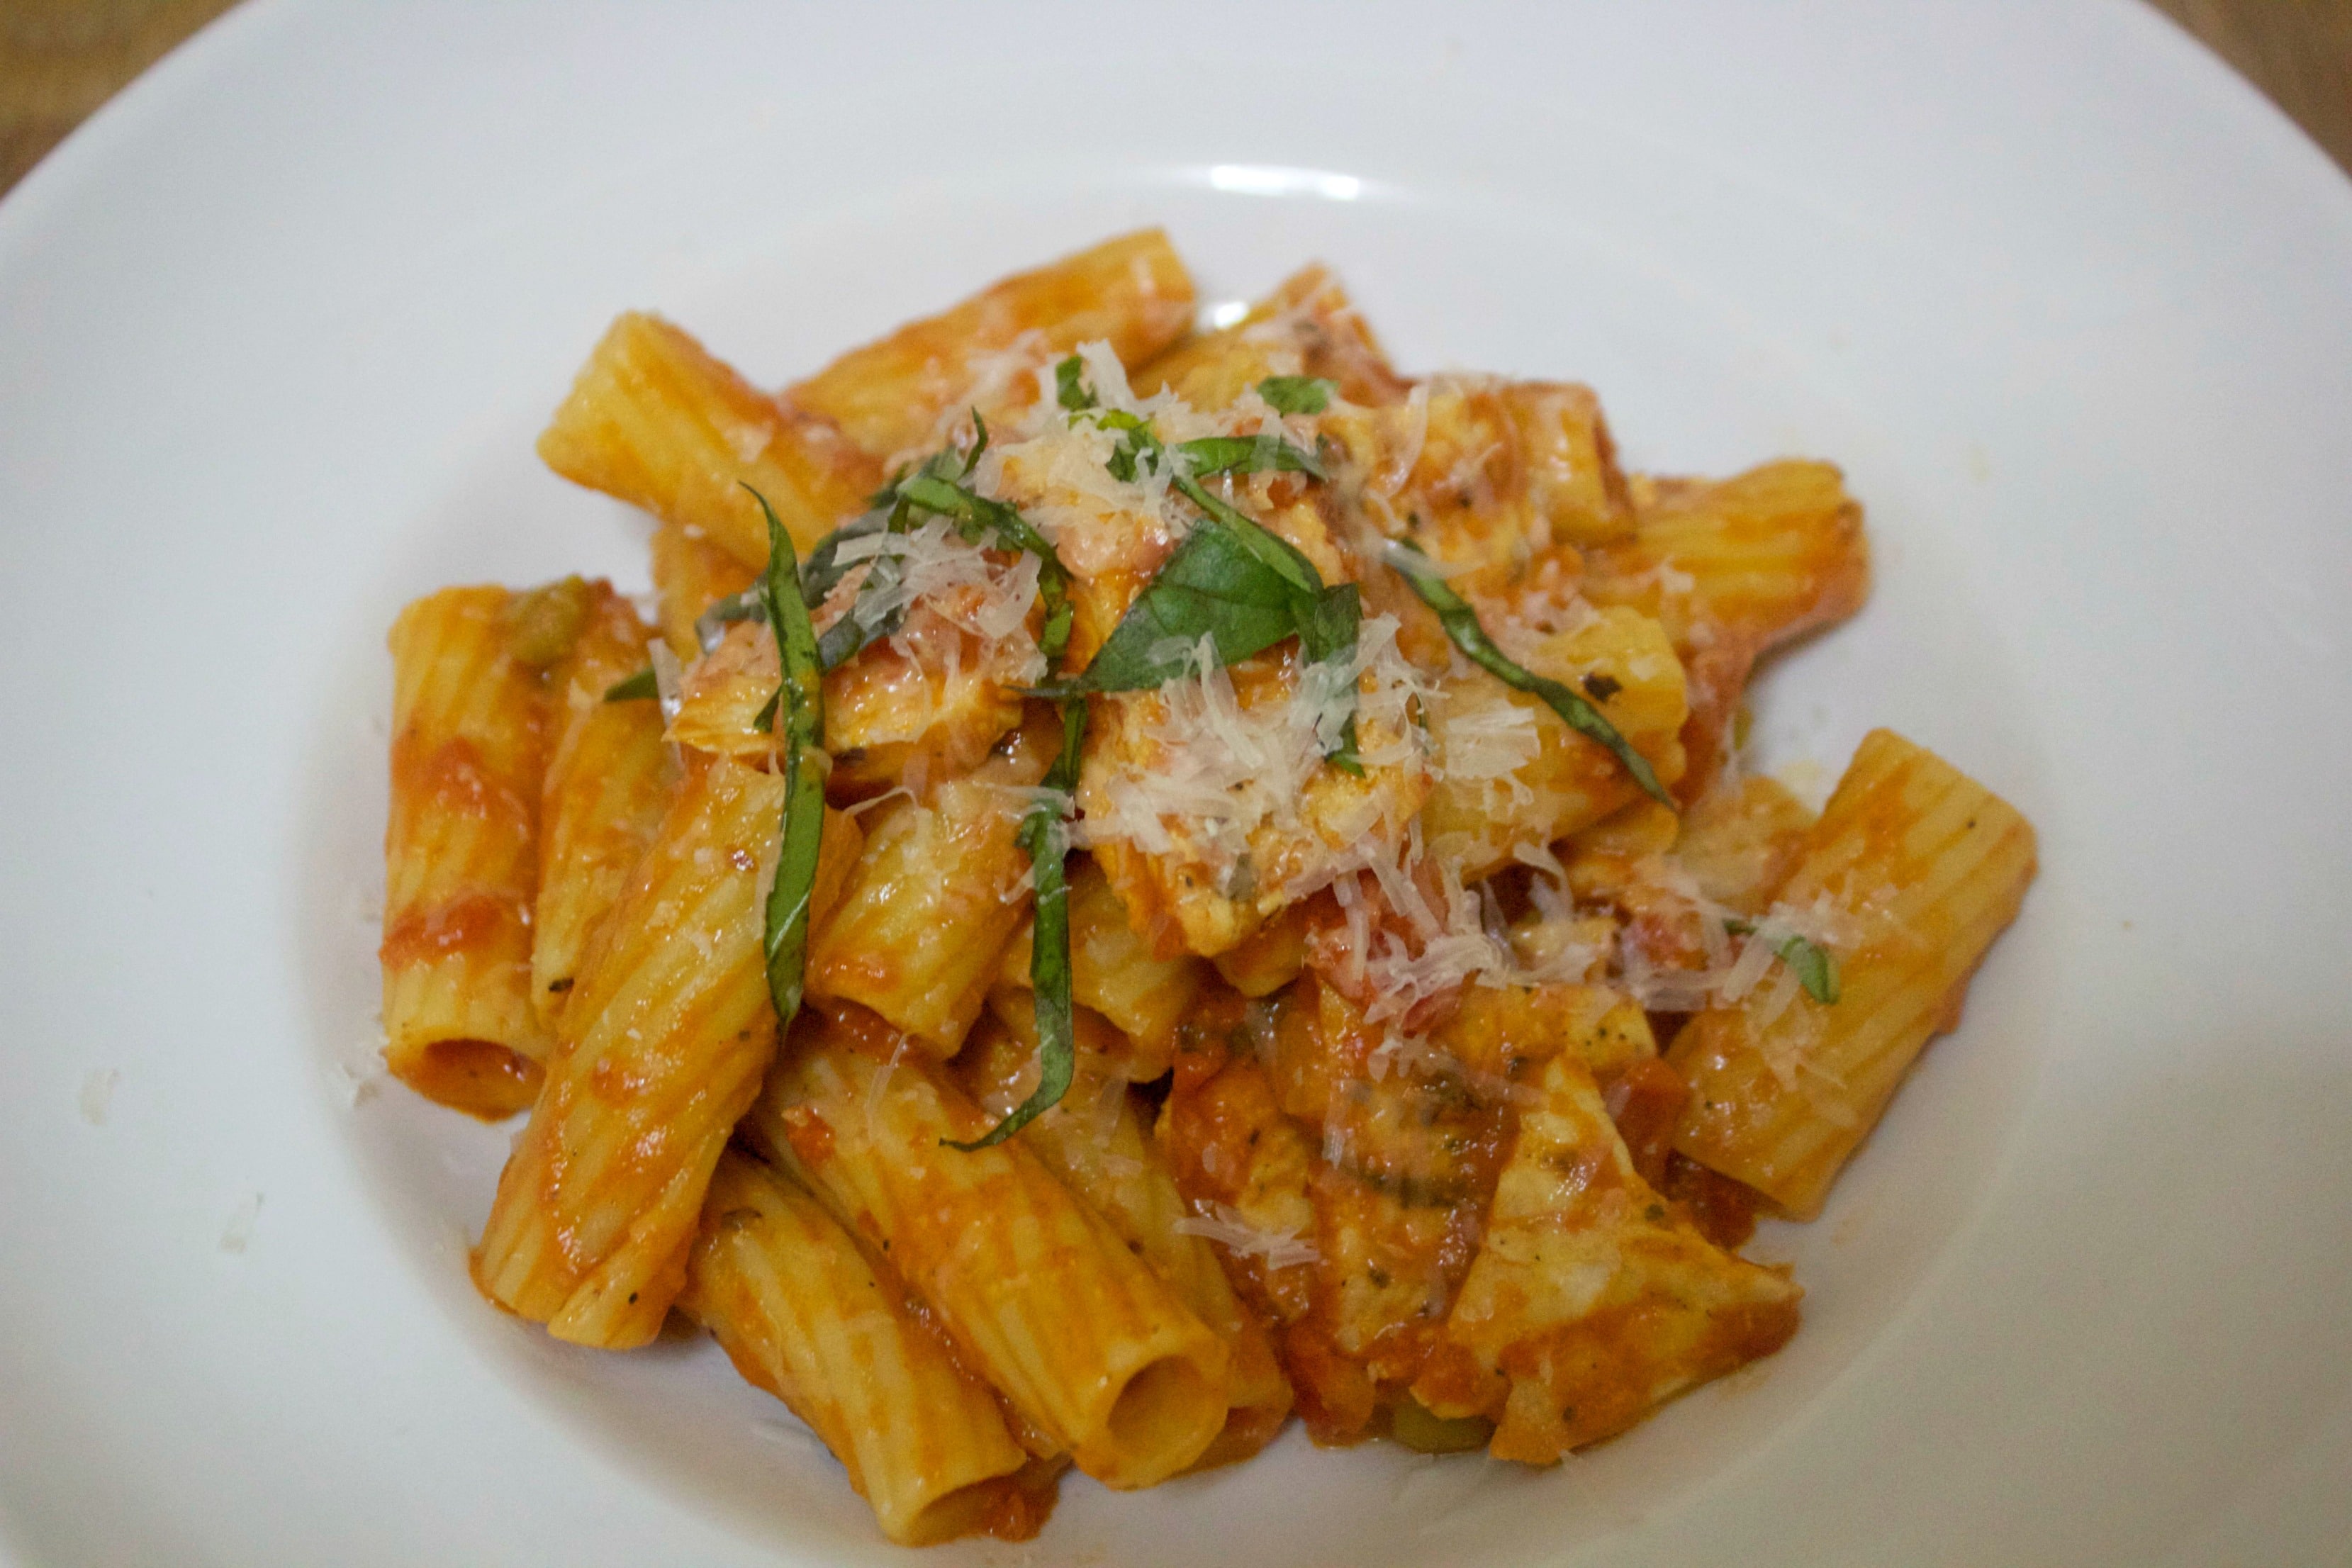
x=1645 y=1100
x=454 y=777
x=1724 y=1210
x=1019 y=1504
x=471 y=922
x=480 y=1078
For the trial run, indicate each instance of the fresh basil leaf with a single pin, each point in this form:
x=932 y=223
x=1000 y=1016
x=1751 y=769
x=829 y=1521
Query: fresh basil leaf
x=888 y=494
x=711 y=625
x=1815 y=966
x=1277 y=552
x=1297 y=393
x=635 y=688
x=1329 y=630
x=1138 y=445
x=1131 y=456
x=1054 y=637
x=1327 y=635
x=1260 y=454
x=979 y=442
x=1232 y=580
x=976 y=514
x=1043 y=836
x=1212 y=586
x=1461 y=623
x=1344 y=756
x=800 y=835
x=1070 y=389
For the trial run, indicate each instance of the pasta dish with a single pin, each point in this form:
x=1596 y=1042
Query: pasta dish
x=1133 y=881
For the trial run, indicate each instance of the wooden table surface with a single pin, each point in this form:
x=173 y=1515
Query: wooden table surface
x=59 y=59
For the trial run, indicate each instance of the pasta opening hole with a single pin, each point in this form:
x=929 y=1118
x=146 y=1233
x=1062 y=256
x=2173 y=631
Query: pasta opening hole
x=1163 y=1418
x=480 y=1078
x=1010 y=1508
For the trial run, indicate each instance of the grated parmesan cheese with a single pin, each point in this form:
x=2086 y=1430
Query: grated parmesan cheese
x=1486 y=746
x=1231 y=1229
x=1219 y=773
x=669 y=679
x=237 y=1234
x=98 y=1094
x=940 y=582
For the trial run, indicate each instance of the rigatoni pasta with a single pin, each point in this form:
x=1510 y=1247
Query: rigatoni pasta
x=807 y=1314
x=930 y=903
x=690 y=575
x=1153 y=880
x=655 y=421
x=607 y=781
x=1089 y=1345
x=461 y=855
x=1143 y=996
x=1133 y=292
x=1097 y=1142
x=662 y=1049
x=1911 y=873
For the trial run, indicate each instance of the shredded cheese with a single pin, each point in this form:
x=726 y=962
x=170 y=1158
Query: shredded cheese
x=1214 y=775
x=1231 y=1229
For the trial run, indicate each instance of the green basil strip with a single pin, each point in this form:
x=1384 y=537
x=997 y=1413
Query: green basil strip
x=712 y=623
x=1043 y=836
x=801 y=834
x=1246 y=455
x=1070 y=390
x=857 y=629
x=1277 y=553
x=1327 y=635
x=975 y=515
x=634 y=688
x=1329 y=630
x=1296 y=393
x=1327 y=618
x=1815 y=966
x=1233 y=580
x=823 y=570
x=1461 y=623
x=1137 y=442
x=853 y=634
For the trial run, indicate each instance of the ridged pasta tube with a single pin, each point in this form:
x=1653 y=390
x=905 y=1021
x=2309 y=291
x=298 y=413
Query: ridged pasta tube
x=608 y=782
x=1038 y=1291
x=889 y=395
x=805 y=1313
x=461 y=855
x=1912 y=870
x=655 y=420
x=662 y=1048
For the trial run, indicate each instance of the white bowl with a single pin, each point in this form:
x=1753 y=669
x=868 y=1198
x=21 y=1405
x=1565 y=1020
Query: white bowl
x=2071 y=306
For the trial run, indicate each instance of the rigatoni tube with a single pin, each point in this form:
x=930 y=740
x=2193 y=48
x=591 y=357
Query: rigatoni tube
x=608 y=779
x=655 y=421
x=1087 y=1342
x=1912 y=871
x=662 y=1048
x=461 y=855
x=803 y=1312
